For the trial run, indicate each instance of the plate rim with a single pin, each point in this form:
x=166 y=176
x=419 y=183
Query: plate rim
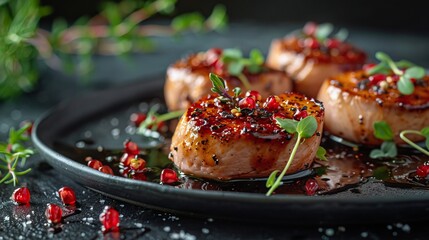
x=235 y=197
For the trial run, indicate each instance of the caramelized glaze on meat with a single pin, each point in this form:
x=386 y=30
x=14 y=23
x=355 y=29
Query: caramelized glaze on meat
x=309 y=67
x=211 y=142
x=353 y=103
x=187 y=81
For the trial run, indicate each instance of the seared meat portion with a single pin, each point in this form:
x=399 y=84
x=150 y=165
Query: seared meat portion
x=354 y=101
x=309 y=60
x=187 y=80
x=214 y=140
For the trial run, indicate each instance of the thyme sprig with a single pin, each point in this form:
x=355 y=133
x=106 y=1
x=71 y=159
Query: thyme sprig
x=406 y=71
x=221 y=89
x=305 y=128
x=13 y=155
x=120 y=28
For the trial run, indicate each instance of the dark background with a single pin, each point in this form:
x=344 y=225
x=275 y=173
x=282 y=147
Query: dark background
x=405 y=16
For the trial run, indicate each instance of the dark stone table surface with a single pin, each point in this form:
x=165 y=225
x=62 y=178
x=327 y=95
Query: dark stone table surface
x=28 y=222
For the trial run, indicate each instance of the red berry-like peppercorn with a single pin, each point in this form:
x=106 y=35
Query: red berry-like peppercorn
x=106 y=169
x=212 y=56
x=53 y=213
x=254 y=94
x=300 y=114
x=137 y=164
x=21 y=196
x=376 y=78
x=310 y=28
x=247 y=102
x=110 y=219
x=311 y=43
x=95 y=164
x=131 y=147
x=271 y=103
x=422 y=171
x=67 y=195
x=168 y=176
x=139 y=176
x=311 y=187
x=137 y=118
x=368 y=66
x=333 y=43
x=126 y=159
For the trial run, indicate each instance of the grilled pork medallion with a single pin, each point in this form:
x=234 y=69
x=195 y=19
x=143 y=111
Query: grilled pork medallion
x=187 y=80
x=311 y=55
x=224 y=140
x=354 y=101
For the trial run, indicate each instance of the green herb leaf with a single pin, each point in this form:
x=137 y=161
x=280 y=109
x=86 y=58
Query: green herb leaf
x=188 y=21
x=307 y=127
x=383 y=57
x=3 y=2
x=415 y=72
x=404 y=64
x=376 y=153
x=236 y=63
x=379 y=68
x=321 y=153
x=271 y=179
x=237 y=91
x=218 y=84
x=235 y=68
x=218 y=19
x=12 y=152
x=405 y=86
x=425 y=131
x=342 y=34
x=383 y=131
x=256 y=57
x=231 y=54
x=323 y=31
x=287 y=124
x=389 y=149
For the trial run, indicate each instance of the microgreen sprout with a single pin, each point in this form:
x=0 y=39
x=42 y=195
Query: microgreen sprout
x=236 y=63
x=424 y=132
x=388 y=148
x=13 y=152
x=404 y=69
x=325 y=31
x=302 y=129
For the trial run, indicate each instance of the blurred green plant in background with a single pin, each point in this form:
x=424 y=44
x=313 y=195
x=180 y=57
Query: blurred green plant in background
x=118 y=29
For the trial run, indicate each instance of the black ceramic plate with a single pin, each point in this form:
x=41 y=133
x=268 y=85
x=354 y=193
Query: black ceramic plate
x=375 y=203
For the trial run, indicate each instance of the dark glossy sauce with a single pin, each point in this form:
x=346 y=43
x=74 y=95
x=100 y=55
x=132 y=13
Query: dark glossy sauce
x=347 y=168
